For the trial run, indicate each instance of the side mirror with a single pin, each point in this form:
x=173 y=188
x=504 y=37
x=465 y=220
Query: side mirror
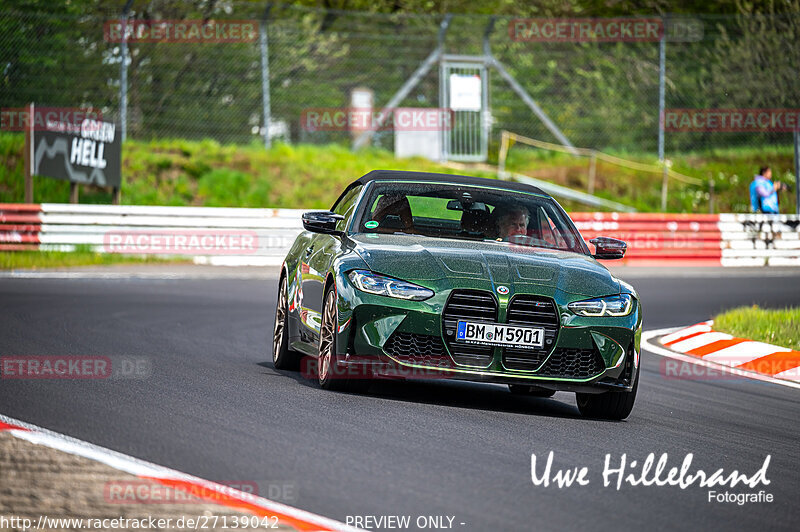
x=321 y=222
x=608 y=248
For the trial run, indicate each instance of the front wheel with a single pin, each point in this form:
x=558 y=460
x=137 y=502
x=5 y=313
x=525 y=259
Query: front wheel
x=608 y=405
x=330 y=376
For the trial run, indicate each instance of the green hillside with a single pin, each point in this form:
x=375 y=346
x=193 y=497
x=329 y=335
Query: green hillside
x=205 y=173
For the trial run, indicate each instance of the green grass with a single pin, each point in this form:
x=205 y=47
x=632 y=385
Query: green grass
x=732 y=170
x=779 y=327
x=81 y=257
x=205 y=173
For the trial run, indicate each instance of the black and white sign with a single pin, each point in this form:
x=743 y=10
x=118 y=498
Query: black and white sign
x=87 y=151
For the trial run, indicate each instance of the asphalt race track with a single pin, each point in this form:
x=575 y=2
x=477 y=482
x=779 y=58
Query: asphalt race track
x=215 y=407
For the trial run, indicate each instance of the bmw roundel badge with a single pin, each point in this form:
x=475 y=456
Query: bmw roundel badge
x=502 y=290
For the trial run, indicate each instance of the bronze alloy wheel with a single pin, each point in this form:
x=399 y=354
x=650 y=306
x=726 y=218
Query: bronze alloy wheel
x=280 y=321
x=331 y=376
x=327 y=340
x=282 y=356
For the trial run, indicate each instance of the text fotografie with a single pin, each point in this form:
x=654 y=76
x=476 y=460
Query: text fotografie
x=651 y=473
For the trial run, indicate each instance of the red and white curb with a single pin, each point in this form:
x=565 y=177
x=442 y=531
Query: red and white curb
x=700 y=344
x=223 y=495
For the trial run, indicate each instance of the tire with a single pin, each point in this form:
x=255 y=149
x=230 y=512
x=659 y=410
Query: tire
x=282 y=356
x=328 y=373
x=608 y=405
x=530 y=391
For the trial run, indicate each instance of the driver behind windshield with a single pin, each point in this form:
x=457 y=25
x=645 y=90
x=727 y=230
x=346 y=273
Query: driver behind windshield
x=513 y=222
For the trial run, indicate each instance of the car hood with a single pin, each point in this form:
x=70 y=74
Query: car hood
x=412 y=257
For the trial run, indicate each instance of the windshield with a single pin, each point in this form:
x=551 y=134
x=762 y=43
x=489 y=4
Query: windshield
x=468 y=213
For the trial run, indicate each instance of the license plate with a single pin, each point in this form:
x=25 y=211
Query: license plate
x=472 y=332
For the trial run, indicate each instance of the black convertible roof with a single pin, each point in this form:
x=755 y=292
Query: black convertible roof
x=448 y=178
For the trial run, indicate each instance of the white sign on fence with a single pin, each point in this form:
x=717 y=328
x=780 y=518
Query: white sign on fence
x=465 y=92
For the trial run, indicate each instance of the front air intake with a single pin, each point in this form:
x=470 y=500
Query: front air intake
x=573 y=364
x=419 y=349
x=534 y=311
x=470 y=305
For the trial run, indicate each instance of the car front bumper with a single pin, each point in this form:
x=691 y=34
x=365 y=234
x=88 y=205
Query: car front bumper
x=386 y=336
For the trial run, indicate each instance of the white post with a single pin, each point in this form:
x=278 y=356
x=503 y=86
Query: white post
x=662 y=67
x=265 y=101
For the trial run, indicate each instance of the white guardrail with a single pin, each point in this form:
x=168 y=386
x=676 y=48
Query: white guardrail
x=218 y=236
x=261 y=237
x=760 y=239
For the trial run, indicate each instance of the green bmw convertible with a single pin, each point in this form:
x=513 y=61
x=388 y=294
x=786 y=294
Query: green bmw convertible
x=420 y=275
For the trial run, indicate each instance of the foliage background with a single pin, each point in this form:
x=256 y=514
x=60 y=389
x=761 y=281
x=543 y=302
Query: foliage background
x=602 y=95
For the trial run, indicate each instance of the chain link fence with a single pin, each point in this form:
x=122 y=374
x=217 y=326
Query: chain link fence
x=601 y=95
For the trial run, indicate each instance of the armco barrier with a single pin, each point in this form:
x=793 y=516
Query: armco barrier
x=20 y=225
x=232 y=236
x=658 y=239
x=760 y=239
x=210 y=235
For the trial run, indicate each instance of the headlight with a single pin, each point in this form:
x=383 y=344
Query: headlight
x=381 y=285
x=620 y=305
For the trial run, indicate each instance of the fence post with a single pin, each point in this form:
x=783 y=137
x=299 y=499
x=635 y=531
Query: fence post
x=123 y=74
x=30 y=163
x=662 y=67
x=664 y=185
x=265 y=97
x=501 y=156
x=711 y=195
x=73 y=192
x=592 y=171
x=797 y=171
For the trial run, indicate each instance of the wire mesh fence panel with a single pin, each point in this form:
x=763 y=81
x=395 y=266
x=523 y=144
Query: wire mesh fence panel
x=736 y=63
x=601 y=93
x=57 y=58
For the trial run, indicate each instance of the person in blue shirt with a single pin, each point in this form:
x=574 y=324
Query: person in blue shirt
x=764 y=193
